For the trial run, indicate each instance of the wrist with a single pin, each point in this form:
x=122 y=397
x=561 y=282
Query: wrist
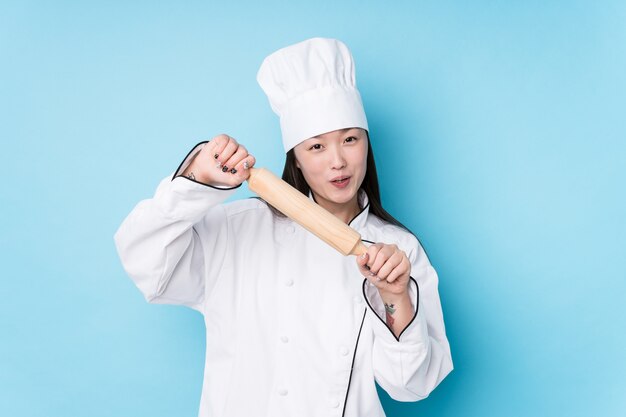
x=195 y=174
x=188 y=173
x=395 y=298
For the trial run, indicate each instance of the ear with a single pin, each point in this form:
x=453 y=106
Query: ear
x=297 y=164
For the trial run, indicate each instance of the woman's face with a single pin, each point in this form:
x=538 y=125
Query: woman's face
x=334 y=164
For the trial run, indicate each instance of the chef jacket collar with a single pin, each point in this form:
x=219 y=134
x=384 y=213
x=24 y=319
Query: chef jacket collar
x=361 y=218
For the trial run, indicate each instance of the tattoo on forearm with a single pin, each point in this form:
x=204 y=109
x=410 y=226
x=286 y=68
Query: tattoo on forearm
x=389 y=310
x=191 y=176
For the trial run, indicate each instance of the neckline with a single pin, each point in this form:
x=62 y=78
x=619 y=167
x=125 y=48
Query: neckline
x=359 y=219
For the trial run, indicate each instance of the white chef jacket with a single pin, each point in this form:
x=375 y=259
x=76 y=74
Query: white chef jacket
x=292 y=327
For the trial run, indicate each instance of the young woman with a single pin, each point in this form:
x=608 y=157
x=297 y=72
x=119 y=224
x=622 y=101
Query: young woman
x=293 y=327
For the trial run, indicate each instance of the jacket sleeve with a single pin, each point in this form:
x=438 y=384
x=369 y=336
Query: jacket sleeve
x=410 y=366
x=169 y=245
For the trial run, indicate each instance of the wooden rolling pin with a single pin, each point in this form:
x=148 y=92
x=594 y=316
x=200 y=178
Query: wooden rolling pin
x=305 y=212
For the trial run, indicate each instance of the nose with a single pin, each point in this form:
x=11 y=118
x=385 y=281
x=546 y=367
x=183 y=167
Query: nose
x=337 y=161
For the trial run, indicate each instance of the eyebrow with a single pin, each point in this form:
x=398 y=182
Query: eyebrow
x=343 y=131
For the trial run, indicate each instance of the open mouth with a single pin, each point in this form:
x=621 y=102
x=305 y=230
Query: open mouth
x=341 y=182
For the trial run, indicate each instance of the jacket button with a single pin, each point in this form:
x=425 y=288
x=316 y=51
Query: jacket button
x=358 y=299
x=344 y=351
x=284 y=339
x=335 y=404
x=282 y=392
x=289 y=282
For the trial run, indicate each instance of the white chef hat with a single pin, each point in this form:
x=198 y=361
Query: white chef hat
x=311 y=86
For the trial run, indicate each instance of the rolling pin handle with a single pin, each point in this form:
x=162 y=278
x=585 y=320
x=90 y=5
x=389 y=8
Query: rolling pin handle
x=359 y=249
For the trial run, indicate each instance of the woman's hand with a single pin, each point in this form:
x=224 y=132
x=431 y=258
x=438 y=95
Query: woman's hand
x=221 y=162
x=387 y=267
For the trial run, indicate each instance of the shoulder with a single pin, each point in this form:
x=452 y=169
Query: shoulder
x=253 y=211
x=379 y=230
x=246 y=208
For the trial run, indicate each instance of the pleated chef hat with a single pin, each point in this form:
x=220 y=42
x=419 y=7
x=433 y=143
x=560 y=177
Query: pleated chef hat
x=311 y=86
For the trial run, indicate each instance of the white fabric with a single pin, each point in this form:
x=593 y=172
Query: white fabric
x=283 y=310
x=311 y=86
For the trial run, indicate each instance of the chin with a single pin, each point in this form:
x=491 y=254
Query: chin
x=341 y=196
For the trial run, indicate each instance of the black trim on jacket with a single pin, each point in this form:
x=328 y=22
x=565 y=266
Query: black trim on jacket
x=356 y=345
x=383 y=321
x=198 y=182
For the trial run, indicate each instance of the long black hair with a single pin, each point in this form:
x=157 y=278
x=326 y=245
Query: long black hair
x=293 y=176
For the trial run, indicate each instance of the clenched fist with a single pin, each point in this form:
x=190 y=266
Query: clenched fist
x=221 y=162
x=387 y=267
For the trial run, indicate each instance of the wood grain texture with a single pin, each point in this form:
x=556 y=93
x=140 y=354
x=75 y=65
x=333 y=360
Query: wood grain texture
x=301 y=209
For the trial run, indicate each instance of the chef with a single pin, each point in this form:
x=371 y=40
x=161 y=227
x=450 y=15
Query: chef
x=294 y=328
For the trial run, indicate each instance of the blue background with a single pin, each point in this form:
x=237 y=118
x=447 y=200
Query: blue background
x=499 y=130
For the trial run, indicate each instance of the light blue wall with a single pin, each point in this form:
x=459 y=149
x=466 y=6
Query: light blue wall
x=499 y=129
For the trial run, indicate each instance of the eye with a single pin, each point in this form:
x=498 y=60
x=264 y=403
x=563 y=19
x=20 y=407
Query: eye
x=351 y=139
x=317 y=146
